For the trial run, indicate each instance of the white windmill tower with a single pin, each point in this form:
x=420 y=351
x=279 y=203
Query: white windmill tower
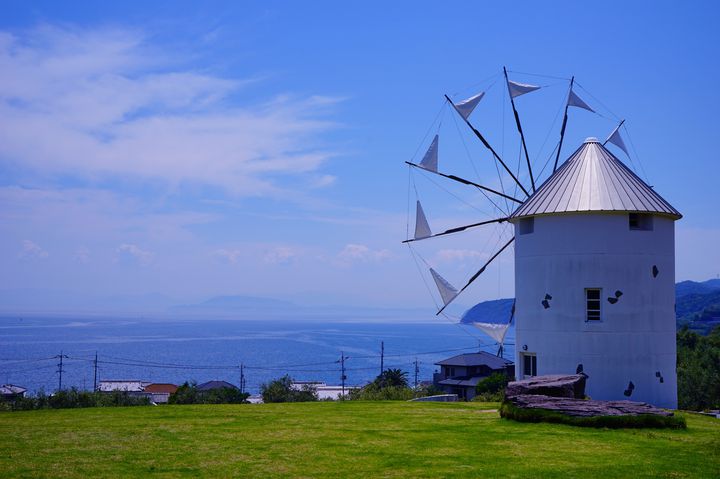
x=595 y=280
x=594 y=265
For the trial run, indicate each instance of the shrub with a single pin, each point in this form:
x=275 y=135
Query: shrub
x=490 y=397
x=74 y=398
x=282 y=390
x=495 y=383
x=698 y=370
x=188 y=393
x=372 y=392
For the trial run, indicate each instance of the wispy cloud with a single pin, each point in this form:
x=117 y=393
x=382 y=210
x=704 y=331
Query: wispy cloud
x=231 y=256
x=450 y=255
x=82 y=255
x=360 y=253
x=31 y=250
x=280 y=254
x=133 y=251
x=101 y=103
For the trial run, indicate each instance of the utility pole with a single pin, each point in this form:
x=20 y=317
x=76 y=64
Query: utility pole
x=242 y=378
x=417 y=371
x=60 y=369
x=342 y=376
x=95 y=375
x=382 y=356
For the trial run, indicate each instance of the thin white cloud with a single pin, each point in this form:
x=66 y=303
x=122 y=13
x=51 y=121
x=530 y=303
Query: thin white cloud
x=450 y=255
x=280 y=254
x=31 y=250
x=230 y=256
x=323 y=181
x=134 y=251
x=360 y=253
x=82 y=255
x=100 y=102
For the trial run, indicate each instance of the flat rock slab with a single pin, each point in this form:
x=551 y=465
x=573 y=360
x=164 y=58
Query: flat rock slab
x=562 y=386
x=585 y=408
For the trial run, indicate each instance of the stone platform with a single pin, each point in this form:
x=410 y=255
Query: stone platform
x=565 y=395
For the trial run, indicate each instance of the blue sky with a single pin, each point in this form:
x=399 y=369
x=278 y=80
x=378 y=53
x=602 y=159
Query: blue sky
x=258 y=148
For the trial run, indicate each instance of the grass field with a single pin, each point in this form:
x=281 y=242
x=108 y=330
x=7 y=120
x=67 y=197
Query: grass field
x=329 y=440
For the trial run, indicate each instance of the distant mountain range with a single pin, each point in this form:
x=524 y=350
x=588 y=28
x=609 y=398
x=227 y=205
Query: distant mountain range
x=252 y=307
x=697 y=305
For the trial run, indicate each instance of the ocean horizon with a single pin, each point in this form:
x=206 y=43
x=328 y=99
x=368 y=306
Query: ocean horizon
x=176 y=350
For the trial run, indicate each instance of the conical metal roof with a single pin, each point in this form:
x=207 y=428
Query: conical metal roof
x=593 y=179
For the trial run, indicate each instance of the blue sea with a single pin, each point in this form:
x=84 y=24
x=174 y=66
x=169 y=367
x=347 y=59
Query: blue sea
x=174 y=351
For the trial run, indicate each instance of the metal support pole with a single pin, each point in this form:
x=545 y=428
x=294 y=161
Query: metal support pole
x=382 y=356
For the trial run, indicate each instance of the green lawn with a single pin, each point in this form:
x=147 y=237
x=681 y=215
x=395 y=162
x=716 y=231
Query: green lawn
x=331 y=440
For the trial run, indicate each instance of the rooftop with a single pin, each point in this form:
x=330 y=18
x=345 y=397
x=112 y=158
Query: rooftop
x=210 y=385
x=161 y=388
x=8 y=389
x=593 y=179
x=476 y=359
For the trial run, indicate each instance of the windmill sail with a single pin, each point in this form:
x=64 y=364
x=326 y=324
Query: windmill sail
x=422 y=228
x=447 y=291
x=466 y=107
x=491 y=317
x=574 y=100
x=495 y=331
x=430 y=160
x=516 y=89
x=616 y=139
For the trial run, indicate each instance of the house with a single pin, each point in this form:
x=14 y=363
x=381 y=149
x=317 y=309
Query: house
x=10 y=392
x=159 y=393
x=595 y=280
x=132 y=386
x=212 y=385
x=460 y=374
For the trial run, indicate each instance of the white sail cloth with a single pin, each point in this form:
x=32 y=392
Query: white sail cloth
x=516 y=89
x=447 y=291
x=494 y=330
x=422 y=228
x=430 y=160
x=617 y=140
x=466 y=107
x=574 y=100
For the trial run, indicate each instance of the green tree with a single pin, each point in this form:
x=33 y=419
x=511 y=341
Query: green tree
x=698 y=370
x=390 y=385
x=492 y=388
x=392 y=378
x=282 y=390
x=494 y=383
x=187 y=393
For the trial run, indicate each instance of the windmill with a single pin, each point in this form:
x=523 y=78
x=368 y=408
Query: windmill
x=562 y=271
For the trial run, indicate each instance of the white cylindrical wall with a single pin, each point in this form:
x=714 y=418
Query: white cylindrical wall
x=635 y=339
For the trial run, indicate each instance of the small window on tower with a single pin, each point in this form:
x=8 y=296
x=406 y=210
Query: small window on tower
x=640 y=222
x=592 y=297
x=527 y=225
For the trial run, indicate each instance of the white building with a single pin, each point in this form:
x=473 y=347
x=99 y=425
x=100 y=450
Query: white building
x=595 y=280
x=324 y=391
x=124 y=385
